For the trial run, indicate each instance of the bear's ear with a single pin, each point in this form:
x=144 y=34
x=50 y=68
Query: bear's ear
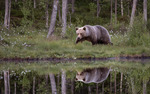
x=77 y=28
x=84 y=28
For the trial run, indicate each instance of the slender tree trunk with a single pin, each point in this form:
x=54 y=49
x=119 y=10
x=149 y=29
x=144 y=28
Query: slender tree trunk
x=15 y=86
x=103 y=88
x=115 y=11
x=121 y=7
x=73 y=1
x=34 y=3
x=98 y=8
x=145 y=12
x=110 y=83
x=133 y=86
x=33 y=85
x=47 y=14
x=59 y=13
x=72 y=86
x=121 y=79
x=89 y=90
x=58 y=83
x=53 y=84
x=97 y=88
x=47 y=85
x=128 y=8
x=53 y=18
x=115 y=83
x=7 y=14
x=64 y=17
x=111 y=12
x=133 y=12
x=6 y=82
x=144 y=86
x=63 y=82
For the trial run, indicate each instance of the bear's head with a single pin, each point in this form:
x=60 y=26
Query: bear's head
x=80 y=76
x=81 y=33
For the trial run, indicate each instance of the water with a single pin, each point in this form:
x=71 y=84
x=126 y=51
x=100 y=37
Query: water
x=81 y=77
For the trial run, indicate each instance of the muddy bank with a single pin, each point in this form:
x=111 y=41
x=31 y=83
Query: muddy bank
x=54 y=59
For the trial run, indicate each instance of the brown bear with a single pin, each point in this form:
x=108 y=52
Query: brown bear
x=95 y=75
x=95 y=34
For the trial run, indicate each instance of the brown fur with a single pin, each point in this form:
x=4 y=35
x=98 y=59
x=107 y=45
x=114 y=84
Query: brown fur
x=95 y=34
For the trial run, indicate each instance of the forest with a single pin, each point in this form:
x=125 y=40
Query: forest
x=46 y=28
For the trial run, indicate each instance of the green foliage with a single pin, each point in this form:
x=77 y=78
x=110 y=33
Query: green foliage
x=27 y=10
x=137 y=34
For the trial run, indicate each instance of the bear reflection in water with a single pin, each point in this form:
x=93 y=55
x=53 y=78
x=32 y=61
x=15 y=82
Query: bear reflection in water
x=95 y=75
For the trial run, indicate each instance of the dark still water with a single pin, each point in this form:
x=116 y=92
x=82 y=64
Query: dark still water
x=90 y=77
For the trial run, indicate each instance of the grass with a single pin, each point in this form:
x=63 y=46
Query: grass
x=26 y=42
x=35 y=45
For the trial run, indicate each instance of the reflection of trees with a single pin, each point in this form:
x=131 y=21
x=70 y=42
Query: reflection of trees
x=6 y=82
x=126 y=81
x=63 y=82
x=53 y=83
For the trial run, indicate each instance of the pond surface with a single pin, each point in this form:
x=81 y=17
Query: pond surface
x=81 y=77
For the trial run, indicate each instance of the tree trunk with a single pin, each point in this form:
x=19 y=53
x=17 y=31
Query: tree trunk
x=59 y=13
x=47 y=14
x=89 y=90
x=6 y=82
x=115 y=11
x=133 y=86
x=110 y=83
x=58 y=83
x=133 y=12
x=121 y=7
x=121 y=79
x=144 y=86
x=7 y=14
x=72 y=86
x=103 y=88
x=33 y=85
x=63 y=82
x=34 y=3
x=53 y=18
x=97 y=88
x=98 y=8
x=111 y=12
x=145 y=12
x=15 y=86
x=128 y=8
x=73 y=1
x=53 y=84
x=64 y=17
x=115 y=83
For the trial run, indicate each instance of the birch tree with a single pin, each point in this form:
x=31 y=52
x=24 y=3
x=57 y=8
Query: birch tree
x=73 y=1
x=6 y=82
x=115 y=11
x=7 y=14
x=53 y=18
x=63 y=82
x=133 y=12
x=98 y=8
x=121 y=7
x=145 y=12
x=47 y=14
x=34 y=3
x=53 y=84
x=111 y=11
x=64 y=17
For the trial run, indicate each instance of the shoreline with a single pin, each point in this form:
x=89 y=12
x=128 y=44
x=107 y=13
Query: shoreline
x=55 y=59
